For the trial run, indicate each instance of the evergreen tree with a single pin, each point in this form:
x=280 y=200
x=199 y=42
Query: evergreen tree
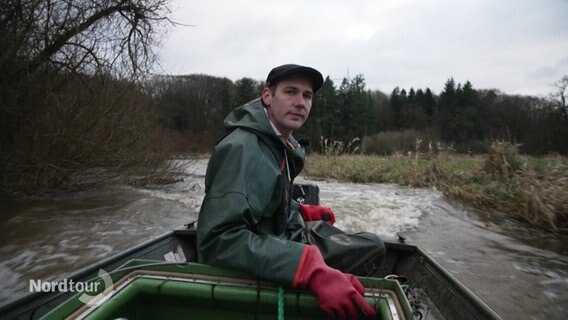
x=383 y=111
x=247 y=90
x=396 y=102
x=446 y=115
x=411 y=95
x=324 y=116
x=429 y=103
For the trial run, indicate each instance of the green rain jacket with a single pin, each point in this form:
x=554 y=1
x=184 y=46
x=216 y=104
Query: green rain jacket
x=247 y=221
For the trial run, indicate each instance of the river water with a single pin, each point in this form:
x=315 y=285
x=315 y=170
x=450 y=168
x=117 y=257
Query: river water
x=521 y=273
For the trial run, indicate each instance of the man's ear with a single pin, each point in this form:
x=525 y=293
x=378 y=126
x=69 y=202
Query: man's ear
x=266 y=96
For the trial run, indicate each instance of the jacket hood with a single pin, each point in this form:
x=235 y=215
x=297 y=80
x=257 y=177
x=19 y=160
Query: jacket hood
x=252 y=116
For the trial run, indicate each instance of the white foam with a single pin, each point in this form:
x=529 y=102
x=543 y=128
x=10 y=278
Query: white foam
x=384 y=209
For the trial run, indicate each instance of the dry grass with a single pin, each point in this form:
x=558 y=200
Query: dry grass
x=531 y=189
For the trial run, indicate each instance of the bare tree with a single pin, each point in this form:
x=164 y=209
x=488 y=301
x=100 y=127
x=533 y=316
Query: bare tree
x=84 y=36
x=69 y=97
x=559 y=97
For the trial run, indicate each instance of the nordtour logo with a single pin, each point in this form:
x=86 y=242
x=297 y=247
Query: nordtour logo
x=89 y=289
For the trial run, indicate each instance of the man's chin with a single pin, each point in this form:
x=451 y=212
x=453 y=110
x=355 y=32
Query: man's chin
x=295 y=125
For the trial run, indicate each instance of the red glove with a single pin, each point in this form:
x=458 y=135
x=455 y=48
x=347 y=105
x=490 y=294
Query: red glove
x=316 y=213
x=339 y=294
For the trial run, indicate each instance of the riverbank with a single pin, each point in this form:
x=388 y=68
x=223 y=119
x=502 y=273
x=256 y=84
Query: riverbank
x=525 y=188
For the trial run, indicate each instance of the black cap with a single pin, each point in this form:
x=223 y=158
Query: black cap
x=287 y=70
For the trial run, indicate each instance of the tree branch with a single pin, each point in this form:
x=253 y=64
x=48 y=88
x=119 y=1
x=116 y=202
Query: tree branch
x=63 y=38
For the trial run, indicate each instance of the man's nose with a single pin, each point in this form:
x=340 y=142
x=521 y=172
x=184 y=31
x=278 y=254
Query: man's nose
x=301 y=101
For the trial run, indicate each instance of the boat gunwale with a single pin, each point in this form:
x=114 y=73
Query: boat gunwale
x=475 y=301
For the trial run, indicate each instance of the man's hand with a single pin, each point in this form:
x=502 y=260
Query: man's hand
x=339 y=294
x=316 y=213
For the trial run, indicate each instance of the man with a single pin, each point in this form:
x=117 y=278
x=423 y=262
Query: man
x=248 y=221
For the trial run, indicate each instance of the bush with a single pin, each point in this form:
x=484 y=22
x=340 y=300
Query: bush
x=68 y=125
x=391 y=142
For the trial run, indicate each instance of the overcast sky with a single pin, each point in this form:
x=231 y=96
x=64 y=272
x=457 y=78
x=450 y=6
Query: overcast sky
x=517 y=46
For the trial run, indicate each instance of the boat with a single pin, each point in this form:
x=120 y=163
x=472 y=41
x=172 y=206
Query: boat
x=161 y=279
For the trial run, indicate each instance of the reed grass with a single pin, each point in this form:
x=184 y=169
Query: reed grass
x=534 y=190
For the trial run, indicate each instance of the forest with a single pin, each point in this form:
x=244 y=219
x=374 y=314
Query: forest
x=80 y=106
x=460 y=117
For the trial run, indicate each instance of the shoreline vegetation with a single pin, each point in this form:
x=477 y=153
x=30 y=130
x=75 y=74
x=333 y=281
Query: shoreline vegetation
x=525 y=188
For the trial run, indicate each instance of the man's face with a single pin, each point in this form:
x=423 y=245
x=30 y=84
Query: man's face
x=290 y=103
